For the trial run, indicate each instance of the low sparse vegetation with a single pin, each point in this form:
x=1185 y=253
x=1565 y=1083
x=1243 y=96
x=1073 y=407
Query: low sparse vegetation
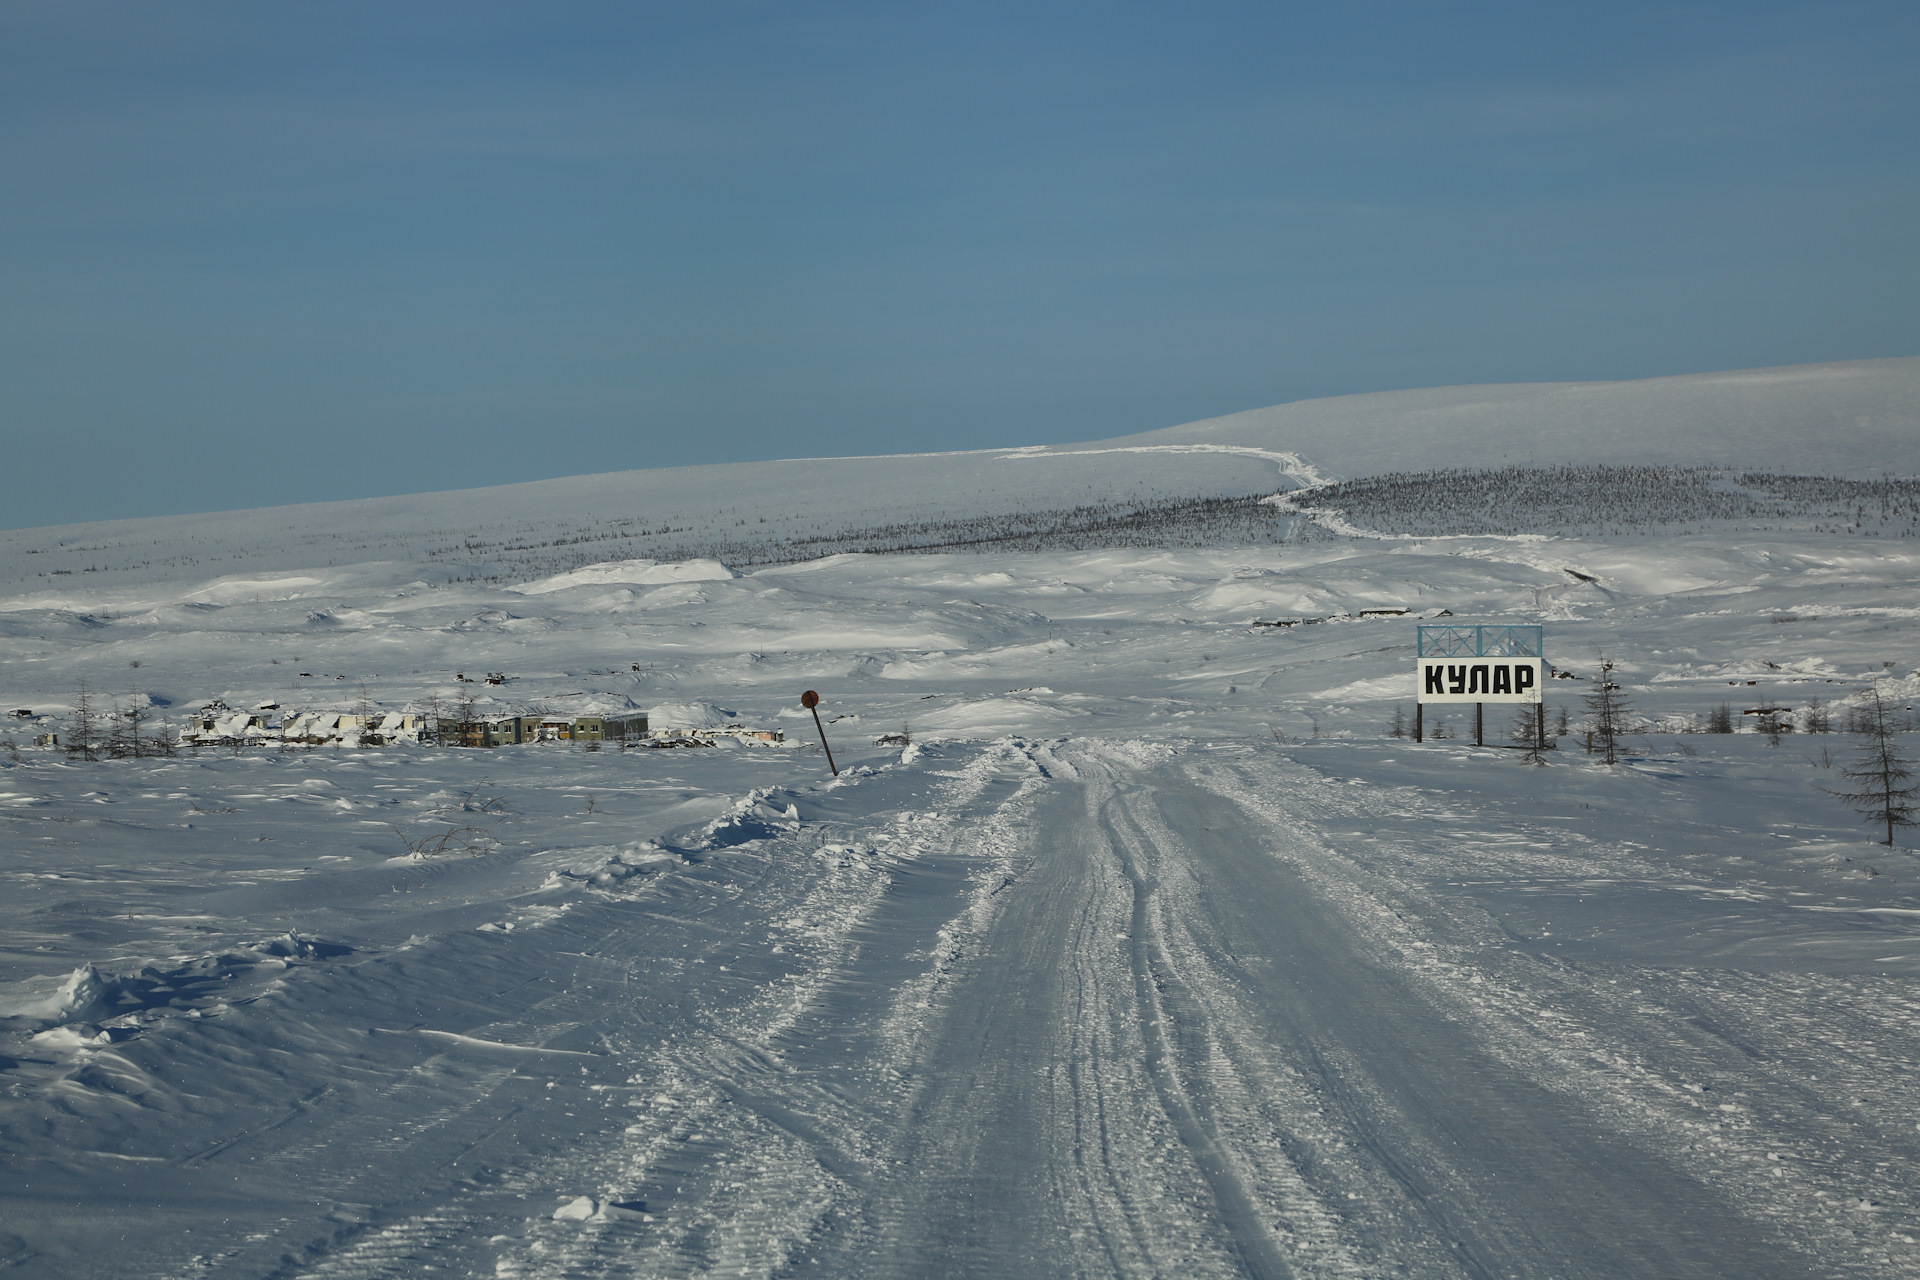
x=468 y=840
x=1598 y=501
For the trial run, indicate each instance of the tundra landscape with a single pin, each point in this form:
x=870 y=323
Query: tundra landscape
x=1134 y=935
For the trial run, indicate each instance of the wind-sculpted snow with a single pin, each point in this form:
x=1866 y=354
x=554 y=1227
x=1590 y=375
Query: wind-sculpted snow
x=631 y=572
x=1083 y=1006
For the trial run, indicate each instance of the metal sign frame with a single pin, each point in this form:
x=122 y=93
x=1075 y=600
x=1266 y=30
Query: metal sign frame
x=1502 y=640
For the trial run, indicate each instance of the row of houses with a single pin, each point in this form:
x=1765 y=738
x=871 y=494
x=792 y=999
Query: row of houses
x=508 y=730
x=625 y=730
x=217 y=723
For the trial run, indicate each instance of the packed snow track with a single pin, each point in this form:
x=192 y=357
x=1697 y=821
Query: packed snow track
x=1073 y=1008
x=1168 y=1055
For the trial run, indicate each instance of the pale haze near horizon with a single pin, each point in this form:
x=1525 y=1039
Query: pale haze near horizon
x=254 y=256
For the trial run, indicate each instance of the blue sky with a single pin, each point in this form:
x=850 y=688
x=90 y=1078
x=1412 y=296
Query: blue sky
x=254 y=254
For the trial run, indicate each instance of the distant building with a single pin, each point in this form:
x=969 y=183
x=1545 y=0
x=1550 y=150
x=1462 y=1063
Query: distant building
x=394 y=726
x=347 y=729
x=739 y=732
x=218 y=723
x=624 y=728
x=487 y=733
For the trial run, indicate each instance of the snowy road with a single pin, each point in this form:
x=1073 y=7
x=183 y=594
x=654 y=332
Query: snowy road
x=1168 y=1056
x=1151 y=1046
x=1086 y=1008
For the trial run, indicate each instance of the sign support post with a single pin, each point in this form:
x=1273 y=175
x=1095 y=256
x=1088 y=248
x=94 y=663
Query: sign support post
x=811 y=701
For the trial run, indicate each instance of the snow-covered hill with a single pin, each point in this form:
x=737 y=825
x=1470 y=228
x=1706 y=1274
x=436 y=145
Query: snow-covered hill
x=1856 y=419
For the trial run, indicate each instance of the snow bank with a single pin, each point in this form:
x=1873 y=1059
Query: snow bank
x=630 y=573
x=86 y=993
x=995 y=718
x=690 y=715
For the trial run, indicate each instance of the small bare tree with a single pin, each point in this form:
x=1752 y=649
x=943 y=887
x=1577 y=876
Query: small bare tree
x=363 y=710
x=1720 y=719
x=1607 y=706
x=465 y=706
x=1524 y=732
x=82 y=736
x=131 y=717
x=1885 y=792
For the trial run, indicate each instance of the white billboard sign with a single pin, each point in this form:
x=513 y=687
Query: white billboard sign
x=1474 y=679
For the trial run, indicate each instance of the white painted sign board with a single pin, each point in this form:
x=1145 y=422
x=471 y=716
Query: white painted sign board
x=1471 y=679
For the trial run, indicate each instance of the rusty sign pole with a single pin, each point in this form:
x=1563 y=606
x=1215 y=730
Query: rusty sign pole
x=811 y=701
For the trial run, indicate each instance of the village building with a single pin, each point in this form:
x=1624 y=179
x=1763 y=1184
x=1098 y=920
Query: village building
x=738 y=732
x=217 y=722
x=487 y=733
x=394 y=726
x=624 y=728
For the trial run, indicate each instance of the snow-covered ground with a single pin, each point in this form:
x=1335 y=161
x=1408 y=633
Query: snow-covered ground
x=1152 y=953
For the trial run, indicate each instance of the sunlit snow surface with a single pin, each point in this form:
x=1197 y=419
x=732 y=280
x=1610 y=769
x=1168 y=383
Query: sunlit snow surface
x=1118 y=969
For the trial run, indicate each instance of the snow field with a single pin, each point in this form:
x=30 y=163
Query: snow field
x=809 y=1100
x=1150 y=954
x=1777 y=1083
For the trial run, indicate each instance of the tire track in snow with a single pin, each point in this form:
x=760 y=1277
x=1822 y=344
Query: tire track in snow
x=1524 y=1177
x=1037 y=1142
x=1263 y=1118
x=757 y=1150
x=1633 y=1043
x=1161 y=999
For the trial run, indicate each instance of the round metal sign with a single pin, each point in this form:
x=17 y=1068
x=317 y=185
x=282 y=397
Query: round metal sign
x=809 y=699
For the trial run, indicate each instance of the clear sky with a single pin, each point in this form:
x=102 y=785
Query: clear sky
x=255 y=253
